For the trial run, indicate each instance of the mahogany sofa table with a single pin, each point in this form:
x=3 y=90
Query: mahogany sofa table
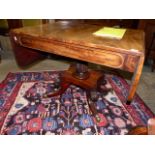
x=76 y=40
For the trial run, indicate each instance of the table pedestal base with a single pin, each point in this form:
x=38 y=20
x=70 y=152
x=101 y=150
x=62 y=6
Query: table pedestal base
x=93 y=84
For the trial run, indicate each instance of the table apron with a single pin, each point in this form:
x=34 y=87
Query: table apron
x=102 y=57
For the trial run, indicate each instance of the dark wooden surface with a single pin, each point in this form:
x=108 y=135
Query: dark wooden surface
x=25 y=56
x=140 y=130
x=144 y=130
x=75 y=40
x=148 y=25
x=81 y=34
x=126 y=23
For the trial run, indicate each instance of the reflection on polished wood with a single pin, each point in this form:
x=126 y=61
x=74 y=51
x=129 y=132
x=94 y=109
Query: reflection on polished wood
x=144 y=130
x=141 y=130
x=77 y=41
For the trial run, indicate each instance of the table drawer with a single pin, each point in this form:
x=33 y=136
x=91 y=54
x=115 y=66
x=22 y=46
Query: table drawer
x=102 y=57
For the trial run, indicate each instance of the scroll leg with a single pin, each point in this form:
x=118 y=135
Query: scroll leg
x=135 y=80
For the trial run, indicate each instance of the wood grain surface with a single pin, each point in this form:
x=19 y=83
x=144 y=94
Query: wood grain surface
x=76 y=40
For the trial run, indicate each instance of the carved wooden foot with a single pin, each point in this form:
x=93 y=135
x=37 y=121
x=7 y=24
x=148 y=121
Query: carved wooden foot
x=59 y=88
x=128 y=102
x=94 y=111
x=92 y=97
x=101 y=86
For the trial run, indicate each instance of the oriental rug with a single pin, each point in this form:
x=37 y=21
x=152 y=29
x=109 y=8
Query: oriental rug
x=24 y=110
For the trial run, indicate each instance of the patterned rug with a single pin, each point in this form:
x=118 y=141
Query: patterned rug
x=24 y=110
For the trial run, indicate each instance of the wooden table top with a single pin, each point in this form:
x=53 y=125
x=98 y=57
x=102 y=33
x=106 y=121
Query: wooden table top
x=76 y=40
x=82 y=34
